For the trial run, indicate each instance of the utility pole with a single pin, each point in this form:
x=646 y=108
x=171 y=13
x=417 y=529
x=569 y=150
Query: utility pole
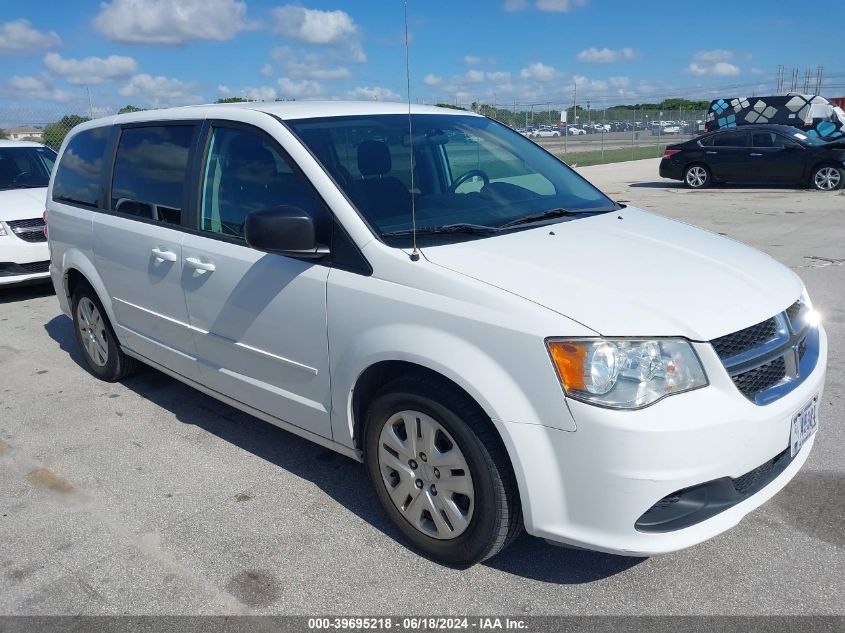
x=819 y=79
x=779 y=89
x=575 y=102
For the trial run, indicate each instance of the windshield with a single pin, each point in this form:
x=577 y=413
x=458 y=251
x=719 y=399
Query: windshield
x=805 y=138
x=468 y=170
x=25 y=167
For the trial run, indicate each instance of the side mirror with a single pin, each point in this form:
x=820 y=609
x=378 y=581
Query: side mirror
x=283 y=231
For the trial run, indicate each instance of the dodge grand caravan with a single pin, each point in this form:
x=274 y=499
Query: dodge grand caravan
x=498 y=341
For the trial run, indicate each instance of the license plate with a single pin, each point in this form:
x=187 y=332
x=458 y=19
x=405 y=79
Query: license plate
x=804 y=424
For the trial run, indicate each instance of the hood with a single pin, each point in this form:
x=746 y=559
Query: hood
x=22 y=204
x=642 y=275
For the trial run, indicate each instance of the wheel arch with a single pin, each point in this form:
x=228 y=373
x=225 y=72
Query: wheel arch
x=824 y=162
x=78 y=268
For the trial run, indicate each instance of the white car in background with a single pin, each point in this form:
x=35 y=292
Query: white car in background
x=575 y=131
x=545 y=132
x=24 y=175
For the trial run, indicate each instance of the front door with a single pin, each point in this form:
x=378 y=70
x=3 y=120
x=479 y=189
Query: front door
x=775 y=158
x=259 y=320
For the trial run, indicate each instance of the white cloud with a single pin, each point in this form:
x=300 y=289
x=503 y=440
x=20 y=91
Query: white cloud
x=716 y=55
x=432 y=80
x=160 y=22
x=719 y=69
x=472 y=60
x=310 y=71
x=90 y=70
x=312 y=25
x=373 y=94
x=604 y=55
x=516 y=5
x=298 y=89
x=160 y=92
x=266 y=70
x=558 y=6
x=538 y=71
x=18 y=36
x=499 y=77
x=619 y=82
x=35 y=88
x=474 y=76
x=757 y=71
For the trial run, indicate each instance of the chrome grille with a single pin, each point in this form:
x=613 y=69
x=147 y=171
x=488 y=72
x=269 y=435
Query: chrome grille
x=29 y=230
x=769 y=359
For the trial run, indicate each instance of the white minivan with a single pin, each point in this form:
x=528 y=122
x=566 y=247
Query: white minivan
x=497 y=340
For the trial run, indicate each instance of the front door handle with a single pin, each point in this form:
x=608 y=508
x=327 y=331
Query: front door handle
x=711 y=152
x=163 y=255
x=197 y=264
x=755 y=154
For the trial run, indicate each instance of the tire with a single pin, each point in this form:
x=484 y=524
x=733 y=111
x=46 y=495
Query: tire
x=827 y=178
x=697 y=176
x=459 y=529
x=95 y=337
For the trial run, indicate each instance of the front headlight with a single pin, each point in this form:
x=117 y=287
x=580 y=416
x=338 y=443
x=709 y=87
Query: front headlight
x=625 y=373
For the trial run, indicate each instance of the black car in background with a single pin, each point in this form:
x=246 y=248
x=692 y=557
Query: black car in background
x=758 y=154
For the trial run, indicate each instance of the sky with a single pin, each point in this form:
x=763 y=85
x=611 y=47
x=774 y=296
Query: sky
x=62 y=56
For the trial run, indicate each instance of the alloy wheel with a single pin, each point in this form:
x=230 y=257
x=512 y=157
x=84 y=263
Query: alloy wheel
x=426 y=475
x=92 y=330
x=827 y=178
x=696 y=176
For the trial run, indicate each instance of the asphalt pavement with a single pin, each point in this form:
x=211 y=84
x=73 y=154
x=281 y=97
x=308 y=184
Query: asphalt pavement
x=147 y=497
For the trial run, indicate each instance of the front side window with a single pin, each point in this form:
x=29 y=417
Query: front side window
x=150 y=171
x=244 y=172
x=467 y=170
x=80 y=169
x=25 y=167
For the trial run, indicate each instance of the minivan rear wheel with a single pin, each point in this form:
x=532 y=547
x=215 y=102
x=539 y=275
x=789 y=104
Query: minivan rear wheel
x=440 y=471
x=95 y=336
x=697 y=176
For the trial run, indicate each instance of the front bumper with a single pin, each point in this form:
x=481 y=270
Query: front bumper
x=589 y=487
x=22 y=261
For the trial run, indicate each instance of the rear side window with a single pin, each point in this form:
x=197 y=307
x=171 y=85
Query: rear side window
x=150 y=170
x=78 y=174
x=730 y=139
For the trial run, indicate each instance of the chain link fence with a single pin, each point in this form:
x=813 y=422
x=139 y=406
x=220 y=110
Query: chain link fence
x=582 y=136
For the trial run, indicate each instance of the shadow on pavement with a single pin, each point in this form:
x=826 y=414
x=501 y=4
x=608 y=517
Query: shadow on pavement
x=344 y=480
x=23 y=292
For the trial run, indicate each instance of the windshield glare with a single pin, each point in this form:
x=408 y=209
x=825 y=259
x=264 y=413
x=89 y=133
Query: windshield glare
x=25 y=167
x=467 y=170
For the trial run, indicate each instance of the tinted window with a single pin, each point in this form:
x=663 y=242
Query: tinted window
x=78 y=176
x=730 y=139
x=244 y=172
x=467 y=169
x=150 y=170
x=25 y=167
x=769 y=139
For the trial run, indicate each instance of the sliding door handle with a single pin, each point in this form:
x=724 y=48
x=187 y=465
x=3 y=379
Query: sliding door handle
x=197 y=264
x=163 y=255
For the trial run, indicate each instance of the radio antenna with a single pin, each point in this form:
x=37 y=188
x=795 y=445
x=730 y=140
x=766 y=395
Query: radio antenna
x=414 y=253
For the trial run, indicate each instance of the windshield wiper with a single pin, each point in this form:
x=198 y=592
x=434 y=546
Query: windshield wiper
x=471 y=229
x=547 y=215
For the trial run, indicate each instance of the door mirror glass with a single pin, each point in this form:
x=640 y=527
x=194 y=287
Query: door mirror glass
x=283 y=230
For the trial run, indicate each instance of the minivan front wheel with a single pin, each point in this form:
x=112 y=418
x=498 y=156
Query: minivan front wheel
x=827 y=178
x=94 y=334
x=697 y=177
x=441 y=472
